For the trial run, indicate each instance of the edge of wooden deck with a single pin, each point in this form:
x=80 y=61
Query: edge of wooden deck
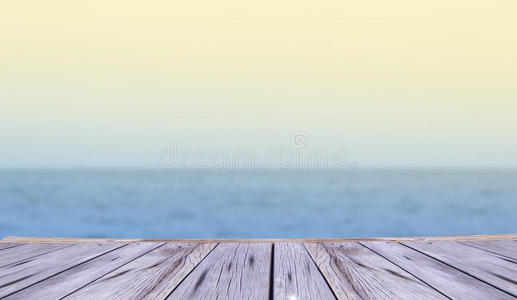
x=486 y=237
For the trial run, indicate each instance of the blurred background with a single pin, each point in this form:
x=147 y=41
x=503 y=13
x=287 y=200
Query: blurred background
x=283 y=118
x=256 y=203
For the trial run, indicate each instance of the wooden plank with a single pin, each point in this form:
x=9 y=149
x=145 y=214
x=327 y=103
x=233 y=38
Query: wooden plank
x=77 y=277
x=17 y=254
x=497 y=270
x=355 y=272
x=436 y=274
x=506 y=248
x=296 y=276
x=152 y=276
x=32 y=270
x=230 y=271
x=493 y=237
x=4 y=246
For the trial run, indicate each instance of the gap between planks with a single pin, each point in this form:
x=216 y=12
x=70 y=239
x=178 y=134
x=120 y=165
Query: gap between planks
x=472 y=261
x=275 y=265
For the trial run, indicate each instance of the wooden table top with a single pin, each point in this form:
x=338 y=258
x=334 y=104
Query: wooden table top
x=461 y=267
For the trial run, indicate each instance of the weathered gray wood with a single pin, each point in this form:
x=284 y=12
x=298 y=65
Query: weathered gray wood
x=152 y=276
x=497 y=270
x=436 y=274
x=296 y=276
x=32 y=270
x=73 y=279
x=230 y=271
x=506 y=248
x=4 y=246
x=355 y=272
x=243 y=270
x=17 y=254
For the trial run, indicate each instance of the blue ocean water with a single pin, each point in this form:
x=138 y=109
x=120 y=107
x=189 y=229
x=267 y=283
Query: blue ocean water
x=256 y=203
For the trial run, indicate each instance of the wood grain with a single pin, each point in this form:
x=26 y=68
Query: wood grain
x=77 y=277
x=497 y=270
x=17 y=254
x=475 y=268
x=152 y=276
x=449 y=281
x=230 y=271
x=355 y=272
x=296 y=276
x=492 y=237
x=506 y=248
x=32 y=270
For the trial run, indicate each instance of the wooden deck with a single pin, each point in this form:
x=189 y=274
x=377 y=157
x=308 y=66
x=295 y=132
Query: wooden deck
x=464 y=267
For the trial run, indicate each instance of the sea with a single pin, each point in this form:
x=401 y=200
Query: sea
x=256 y=203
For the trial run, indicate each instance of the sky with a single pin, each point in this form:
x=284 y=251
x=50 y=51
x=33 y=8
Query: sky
x=392 y=83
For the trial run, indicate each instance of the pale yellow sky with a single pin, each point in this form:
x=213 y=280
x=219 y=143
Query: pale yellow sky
x=395 y=83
